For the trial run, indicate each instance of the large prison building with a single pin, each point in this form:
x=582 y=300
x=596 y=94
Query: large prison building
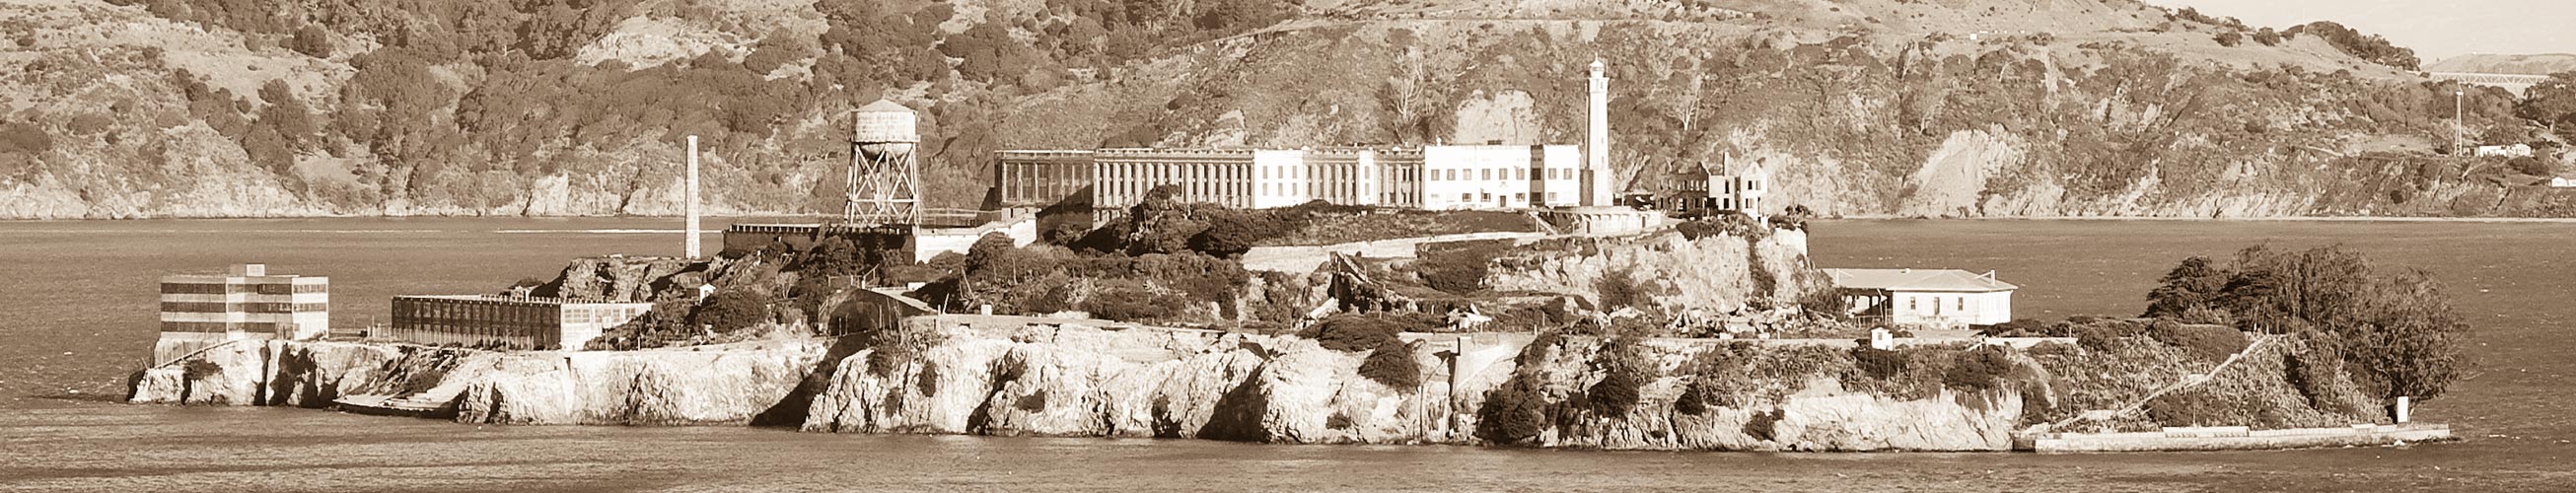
x=1432 y=177
x=506 y=322
x=1235 y=177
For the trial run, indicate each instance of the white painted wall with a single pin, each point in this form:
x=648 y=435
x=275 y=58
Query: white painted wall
x=1279 y=178
x=1499 y=176
x=1951 y=307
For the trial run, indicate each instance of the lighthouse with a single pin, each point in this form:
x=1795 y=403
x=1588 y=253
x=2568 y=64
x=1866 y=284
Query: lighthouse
x=1596 y=144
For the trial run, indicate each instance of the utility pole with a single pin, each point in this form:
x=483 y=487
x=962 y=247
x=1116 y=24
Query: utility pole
x=2459 y=111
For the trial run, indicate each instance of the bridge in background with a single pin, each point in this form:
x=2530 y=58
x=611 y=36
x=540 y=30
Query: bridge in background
x=2517 y=83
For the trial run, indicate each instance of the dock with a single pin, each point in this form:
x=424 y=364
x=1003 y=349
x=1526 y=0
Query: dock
x=2210 y=438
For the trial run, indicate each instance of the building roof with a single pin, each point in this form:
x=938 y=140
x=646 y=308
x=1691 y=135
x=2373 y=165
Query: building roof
x=885 y=106
x=1951 y=280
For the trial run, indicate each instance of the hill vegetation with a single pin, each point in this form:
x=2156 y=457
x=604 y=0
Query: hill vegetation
x=550 y=107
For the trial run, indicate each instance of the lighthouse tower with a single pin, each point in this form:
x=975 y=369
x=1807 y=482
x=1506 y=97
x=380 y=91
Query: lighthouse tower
x=1596 y=144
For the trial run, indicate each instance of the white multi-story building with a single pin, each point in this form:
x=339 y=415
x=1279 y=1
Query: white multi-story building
x=1501 y=176
x=1739 y=187
x=245 y=302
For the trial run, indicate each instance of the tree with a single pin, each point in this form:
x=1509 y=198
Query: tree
x=2531 y=166
x=2552 y=102
x=312 y=41
x=2409 y=343
x=2193 y=284
x=2267 y=37
x=2401 y=335
x=2230 y=38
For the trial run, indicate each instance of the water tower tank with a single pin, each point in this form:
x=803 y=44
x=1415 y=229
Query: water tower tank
x=885 y=121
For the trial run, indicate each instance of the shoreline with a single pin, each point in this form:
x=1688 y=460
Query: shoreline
x=2361 y=219
x=1865 y=217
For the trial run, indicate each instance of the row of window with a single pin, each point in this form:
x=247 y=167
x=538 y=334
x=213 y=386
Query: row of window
x=218 y=327
x=1521 y=197
x=230 y=288
x=214 y=307
x=1488 y=174
x=1915 y=304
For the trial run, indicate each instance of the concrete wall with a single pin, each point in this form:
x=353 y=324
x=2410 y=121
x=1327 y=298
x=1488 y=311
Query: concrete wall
x=928 y=243
x=1303 y=259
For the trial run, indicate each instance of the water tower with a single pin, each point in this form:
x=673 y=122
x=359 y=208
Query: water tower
x=885 y=180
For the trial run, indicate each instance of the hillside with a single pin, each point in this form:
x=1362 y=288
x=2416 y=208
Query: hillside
x=197 y=108
x=2540 y=64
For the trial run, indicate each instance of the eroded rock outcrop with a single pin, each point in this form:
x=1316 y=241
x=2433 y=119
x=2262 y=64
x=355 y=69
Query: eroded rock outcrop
x=721 y=385
x=1721 y=271
x=1029 y=376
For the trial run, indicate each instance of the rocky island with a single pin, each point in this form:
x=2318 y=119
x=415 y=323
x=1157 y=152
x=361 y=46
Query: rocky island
x=1150 y=326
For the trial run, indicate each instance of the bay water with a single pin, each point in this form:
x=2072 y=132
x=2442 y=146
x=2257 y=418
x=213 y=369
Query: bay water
x=77 y=316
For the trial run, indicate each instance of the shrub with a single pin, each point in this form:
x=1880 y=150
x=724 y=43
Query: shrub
x=2208 y=342
x=2531 y=166
x=732 y=309
x=1878 y=363
x=1354 y=332
x=2097 y=338
x=1130 y=302
x=928 y=381
x=2231 y=38
x=1458 y=267
x=1824 y=302
x=1230 y=232
x=2019 y=327
x=199 y=369
x=1626 y=374
x=1977 y=369
x=1621 y=288
x=1765 y=426
x=1693 y=401
x=1512 y=413
x=1392 y=365
x=1033 y=402
x=1616 y=394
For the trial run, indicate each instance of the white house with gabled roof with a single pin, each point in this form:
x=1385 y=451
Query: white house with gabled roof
x=1925 y=296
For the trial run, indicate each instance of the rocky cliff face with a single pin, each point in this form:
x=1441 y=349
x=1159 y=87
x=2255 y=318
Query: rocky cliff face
x=1723 y=272
x=1860 y=107
x=722 y=385
x=1016 y=376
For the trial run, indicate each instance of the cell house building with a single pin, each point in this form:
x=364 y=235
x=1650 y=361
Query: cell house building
x=506 y=322
x=1493 y=175
x=244 y=302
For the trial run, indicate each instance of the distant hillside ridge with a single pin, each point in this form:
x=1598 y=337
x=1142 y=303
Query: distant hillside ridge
x=2535 y=64
x=208 y=108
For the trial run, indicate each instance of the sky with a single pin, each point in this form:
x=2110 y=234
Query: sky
x=2435 y=29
